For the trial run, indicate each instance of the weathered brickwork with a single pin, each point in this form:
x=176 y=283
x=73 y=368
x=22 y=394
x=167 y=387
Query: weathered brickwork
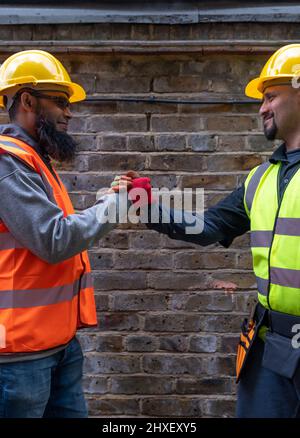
x=166 y=340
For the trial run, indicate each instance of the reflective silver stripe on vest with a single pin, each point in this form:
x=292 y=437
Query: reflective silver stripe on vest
x=7 y=241
x=288 y=226
x=285 y=277
x=253 y=183
x=280 y=277
x=87 y=280
x=43 y=297
x=262 y=285
x=11 y=144
x=261 y=238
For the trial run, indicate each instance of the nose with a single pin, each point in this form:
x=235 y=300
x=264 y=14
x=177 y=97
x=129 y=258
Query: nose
x=67 y=113
x=263 y=108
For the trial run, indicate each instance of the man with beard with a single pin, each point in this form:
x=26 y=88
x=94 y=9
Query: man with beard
x=268 y=205
x=46 y=290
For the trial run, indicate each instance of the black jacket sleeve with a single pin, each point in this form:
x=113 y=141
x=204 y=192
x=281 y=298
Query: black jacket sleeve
x=220 y=223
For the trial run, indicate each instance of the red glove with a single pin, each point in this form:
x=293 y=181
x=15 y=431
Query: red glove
x=143 y=183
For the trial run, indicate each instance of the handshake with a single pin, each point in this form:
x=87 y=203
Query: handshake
x=130 y=182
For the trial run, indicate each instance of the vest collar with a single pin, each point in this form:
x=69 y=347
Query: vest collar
x=15 y=131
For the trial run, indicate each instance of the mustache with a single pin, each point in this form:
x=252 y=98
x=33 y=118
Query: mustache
x=59 y=145
x=268 y=116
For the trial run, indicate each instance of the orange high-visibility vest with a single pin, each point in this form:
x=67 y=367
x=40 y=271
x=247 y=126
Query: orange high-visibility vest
x=41 y=304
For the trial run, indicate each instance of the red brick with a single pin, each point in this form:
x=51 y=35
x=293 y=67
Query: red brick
x=207 y=386
x=196 y=260
x=110 y=406
x=119 y=280
x=185 y=84
x=209 y=181
x=175 y=123
x=139 y=301
x=171 y=162
x=115 y=85
x=232 y=163
x=185 y=407
x=143 y=260
x=141 y=343
x=111 y=363
x=119 y=321
x=141 y=385
x=117 y=123
x=231 y=123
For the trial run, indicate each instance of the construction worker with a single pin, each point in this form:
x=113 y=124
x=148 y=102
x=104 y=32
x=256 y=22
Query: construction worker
x=46 y=290
x=267 y=204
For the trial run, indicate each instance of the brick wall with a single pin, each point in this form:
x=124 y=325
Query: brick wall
x=166 y=340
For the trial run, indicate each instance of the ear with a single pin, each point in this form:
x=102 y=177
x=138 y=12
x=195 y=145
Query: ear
x=28 y=102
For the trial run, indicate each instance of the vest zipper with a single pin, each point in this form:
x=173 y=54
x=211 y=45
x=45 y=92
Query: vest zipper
x=280 y=198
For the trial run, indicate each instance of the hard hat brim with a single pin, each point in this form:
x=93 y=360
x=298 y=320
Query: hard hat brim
x=76 y=92
x=255 y=88
x=252 y=90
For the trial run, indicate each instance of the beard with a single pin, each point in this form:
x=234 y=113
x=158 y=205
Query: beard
x=59 y=145
x=271 y=132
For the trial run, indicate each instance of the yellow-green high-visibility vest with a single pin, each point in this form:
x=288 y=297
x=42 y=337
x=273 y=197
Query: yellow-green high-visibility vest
x=275 y=237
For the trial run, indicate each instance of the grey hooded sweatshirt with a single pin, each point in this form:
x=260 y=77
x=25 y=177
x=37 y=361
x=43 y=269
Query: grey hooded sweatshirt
x=38 y=223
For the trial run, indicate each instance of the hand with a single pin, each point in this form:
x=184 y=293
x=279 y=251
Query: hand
x=140 y=183
x=121 y=182
x=132 y=180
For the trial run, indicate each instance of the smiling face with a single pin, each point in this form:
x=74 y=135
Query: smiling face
x=45 y=114
x=54 y=106
x=280 y=111
x=52 y=115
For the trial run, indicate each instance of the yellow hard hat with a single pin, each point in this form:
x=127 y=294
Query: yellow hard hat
x=34 y=68
x=280 y=68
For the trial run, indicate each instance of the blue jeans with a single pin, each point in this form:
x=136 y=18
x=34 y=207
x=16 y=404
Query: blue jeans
x=50 y=387
x=263 y=393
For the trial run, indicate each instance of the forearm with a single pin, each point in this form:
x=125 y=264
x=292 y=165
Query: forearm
x=67 y=236
x=191 y=228
x=39 y=224
x=220 y=223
